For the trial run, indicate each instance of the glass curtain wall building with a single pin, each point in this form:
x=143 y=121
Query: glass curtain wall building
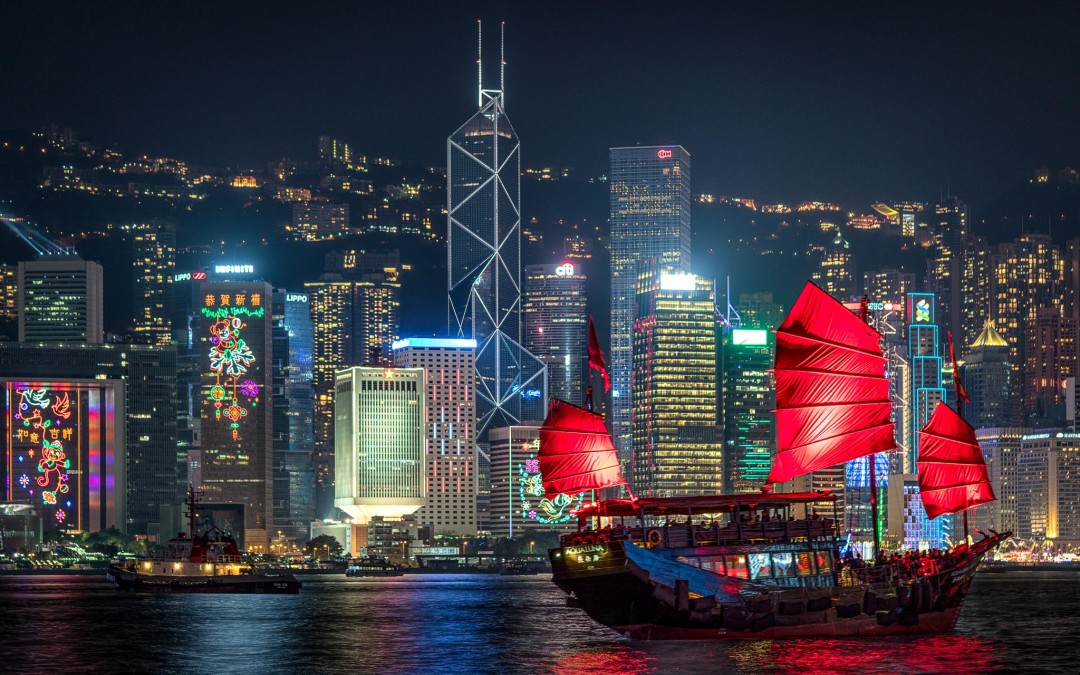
x=649 y=219
x=557 y=325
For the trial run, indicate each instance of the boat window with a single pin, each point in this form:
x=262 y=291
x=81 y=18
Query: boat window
x=689 y=561
x=805 y=563
x=824 y=562
x=736 y=566
x=783 y=564
x=760 y=566
x=714 y=563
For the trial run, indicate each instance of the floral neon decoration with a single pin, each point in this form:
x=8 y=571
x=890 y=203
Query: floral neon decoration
x=41 y=416
x=535 y=506
x=230 y=359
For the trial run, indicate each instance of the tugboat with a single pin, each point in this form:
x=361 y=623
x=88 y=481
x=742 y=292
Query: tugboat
x=768 y=565
x=207 y=562
x=373 y=567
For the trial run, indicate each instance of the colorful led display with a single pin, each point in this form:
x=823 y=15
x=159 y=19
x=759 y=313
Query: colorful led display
x=535 y=506
x=232 y=394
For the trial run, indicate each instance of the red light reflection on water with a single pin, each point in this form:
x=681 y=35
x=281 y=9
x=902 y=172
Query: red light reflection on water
x=605 y=660
x=944 y=653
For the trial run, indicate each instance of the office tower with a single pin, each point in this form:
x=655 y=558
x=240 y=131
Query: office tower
x=380 y=416
x=1025 y=275
x=60 y=300
x=676 y=446
x=835 y=272
x=317 y=221
x=154 y=262
x=355 y=313
x=483 y=185
x=1072 y=278
x=945 y=269
x=887 y=285
x=1000 y=448
x=974 y=290
x=757 y=310
x=235 y=336
x=9 y=292
x=556 y=326
x=1048 y=487
x=577 y=248
x=988 y=381
x=518 y=505
x=64 y=451
x=649 y=219
x=294 y=416
x=749 y=398
x=450 y=430
x=1050 y=351
x=146 y=430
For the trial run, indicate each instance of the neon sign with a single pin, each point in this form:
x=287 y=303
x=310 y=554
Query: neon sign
x=198 y=276
x=561 y=509
x=43 y=448
x=565 y=270
x=663 y=153
x=183 y=276
x=234 y=269
x=296 y=297
x=231 y=393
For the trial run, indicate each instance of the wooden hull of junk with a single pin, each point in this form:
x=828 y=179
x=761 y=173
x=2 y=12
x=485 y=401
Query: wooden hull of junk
x=127 y=580
x=645 y=591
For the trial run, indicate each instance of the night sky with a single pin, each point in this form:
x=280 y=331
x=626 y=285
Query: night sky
x=784 y=101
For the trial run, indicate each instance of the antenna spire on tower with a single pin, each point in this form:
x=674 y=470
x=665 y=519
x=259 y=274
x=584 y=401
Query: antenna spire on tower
x=479 y=64
x=502 y=62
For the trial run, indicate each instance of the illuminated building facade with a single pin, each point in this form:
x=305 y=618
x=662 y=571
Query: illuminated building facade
x=749 y=398
x=557 y=326
x=380 y=419
x=146 y=423
x=355 y=313
x=235 y=340
x=675 y=411
x=944 y=274
x=988 y=381
x=154 y=261
x=316 y=221
x=294 y=415
x=1048 y=487
x=483 y=185
x=835 y=272
x=974 y=290
x=1051 y=357
x=887 y=284
x=60 y=300
x=9 y=292
x=1000 y=449
x=1025 y=275
x=757 y=310
x=64 y=452
x=649 y=219
x=450 y=430
x=518 y=504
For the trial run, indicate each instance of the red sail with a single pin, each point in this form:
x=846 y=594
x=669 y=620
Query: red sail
x=576 y=452
x=952 y=473
x=832 y=398
x=596 y=356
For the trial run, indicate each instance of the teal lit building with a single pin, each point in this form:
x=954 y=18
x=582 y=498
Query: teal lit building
x=749 y=399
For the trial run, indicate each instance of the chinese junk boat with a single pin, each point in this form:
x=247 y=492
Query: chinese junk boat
x=209 y=562
x=767 y=565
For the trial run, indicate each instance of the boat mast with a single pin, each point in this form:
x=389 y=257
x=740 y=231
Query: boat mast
x=864 y=314
x=192 y=502
x=961 y=396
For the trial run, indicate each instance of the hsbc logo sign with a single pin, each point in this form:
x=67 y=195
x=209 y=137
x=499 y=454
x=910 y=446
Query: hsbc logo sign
x=565 y=270
x=663 y=153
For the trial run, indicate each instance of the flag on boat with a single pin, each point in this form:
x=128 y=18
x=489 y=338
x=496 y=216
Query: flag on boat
x=832 y=397
x=952 y=472
x=596 y=356
x=576 y=452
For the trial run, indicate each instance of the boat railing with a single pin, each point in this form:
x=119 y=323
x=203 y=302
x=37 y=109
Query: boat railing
x=681 y=535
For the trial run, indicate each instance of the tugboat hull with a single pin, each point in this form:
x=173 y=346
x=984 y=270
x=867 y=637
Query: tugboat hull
x=251 y=583
x=642 y=597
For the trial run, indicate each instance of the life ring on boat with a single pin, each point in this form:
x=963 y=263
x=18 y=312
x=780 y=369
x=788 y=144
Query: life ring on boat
x=577 y=541
x=602 y=538
x=589 y=539
x=654 y=537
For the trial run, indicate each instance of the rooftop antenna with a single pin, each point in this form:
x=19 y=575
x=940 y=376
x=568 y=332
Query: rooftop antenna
x=502 y=62
x=489 y=94
x=479 y=64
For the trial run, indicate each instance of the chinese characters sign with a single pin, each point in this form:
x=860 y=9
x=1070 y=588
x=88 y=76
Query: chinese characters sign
x=233 y=393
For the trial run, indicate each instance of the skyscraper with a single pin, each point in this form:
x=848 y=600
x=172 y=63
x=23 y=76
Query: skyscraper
x=294 y=415
x=1000 y=448
x=649 y=218
x=235 y=338
x=154 y=262
x=835 y=273
x=557 y=325
x=483 y=184
x=887 y=285
x=945 y=270
x=748 y=402
x=676 y=446
x=451 y=430
x=380 y=416
x=1047 y=490
x=1050 y=351
x=60 y=300
x=988 y=381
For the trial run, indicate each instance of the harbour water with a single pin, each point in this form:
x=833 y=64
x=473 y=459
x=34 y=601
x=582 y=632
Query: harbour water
x=1015 y=622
